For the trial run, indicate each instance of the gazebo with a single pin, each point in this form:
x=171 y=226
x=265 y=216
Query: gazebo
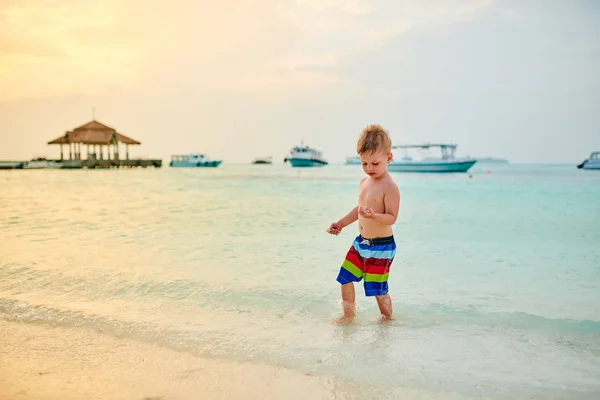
x=95 y=136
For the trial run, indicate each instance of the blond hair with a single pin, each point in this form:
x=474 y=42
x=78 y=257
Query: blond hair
x=372 y=139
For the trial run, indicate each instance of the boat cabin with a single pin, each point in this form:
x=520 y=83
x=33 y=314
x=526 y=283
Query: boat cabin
x=194 y=157
x=447 y=150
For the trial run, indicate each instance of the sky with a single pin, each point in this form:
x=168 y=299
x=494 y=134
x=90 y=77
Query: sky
x=240 y=79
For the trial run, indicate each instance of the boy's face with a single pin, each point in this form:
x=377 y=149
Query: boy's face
x=375 y=164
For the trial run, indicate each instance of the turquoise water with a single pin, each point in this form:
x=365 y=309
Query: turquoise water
x=496 y=283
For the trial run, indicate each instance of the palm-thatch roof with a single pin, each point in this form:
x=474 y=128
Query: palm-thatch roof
x=93 y=132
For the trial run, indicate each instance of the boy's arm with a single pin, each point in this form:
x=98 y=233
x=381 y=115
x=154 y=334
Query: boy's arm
x=349 y=218
x=391 y=201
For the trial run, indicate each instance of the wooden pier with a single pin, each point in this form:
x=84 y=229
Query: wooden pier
x=143 y=163
x=80 y=164
x=103 y=149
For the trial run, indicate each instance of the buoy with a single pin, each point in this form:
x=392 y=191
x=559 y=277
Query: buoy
x=489 y=172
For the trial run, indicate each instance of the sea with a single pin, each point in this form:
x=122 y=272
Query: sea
x=495 y=284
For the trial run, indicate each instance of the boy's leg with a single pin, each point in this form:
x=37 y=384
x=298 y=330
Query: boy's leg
x=385 y=306
x=350 y=272
x=377 y=270
x=348 y=302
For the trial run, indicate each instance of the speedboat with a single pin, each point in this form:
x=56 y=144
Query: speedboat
x=42 y=163
x=305 y=156
x=591 y=163
x=353 y=160
x=446 y=163
x=12 y=164
x=263 y=160
x=193 y=160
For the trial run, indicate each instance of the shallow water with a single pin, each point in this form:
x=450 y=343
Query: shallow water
x=495 y=284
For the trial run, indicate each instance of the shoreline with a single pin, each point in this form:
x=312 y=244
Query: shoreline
x=45 y=362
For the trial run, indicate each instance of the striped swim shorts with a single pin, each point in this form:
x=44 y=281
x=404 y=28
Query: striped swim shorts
x=369 y=260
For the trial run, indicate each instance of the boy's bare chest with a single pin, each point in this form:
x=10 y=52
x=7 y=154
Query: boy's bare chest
x=371 y=196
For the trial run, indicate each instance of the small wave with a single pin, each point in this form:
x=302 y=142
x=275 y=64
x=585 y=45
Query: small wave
x=444 y=313
x=212 y=343
x=269 y=299
x=104 y=286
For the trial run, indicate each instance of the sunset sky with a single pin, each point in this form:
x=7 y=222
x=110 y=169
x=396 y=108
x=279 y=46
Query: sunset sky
x=238 y=79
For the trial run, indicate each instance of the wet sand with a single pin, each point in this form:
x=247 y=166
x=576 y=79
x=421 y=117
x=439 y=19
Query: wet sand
x=43 y=362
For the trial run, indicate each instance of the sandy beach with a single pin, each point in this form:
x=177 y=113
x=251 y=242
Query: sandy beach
x=41 y=362
x=47 y=363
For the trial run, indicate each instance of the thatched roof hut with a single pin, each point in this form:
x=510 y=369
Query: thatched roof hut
x=93 y=134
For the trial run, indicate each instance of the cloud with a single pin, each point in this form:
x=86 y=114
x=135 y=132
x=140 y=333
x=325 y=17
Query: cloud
x=270 y=46
x=42 y=52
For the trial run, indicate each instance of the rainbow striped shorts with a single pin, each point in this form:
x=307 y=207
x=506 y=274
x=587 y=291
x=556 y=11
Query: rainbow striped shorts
x=369 y=260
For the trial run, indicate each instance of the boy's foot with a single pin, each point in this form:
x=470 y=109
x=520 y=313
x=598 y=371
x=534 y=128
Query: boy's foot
x=385 y=320
x=345 y=320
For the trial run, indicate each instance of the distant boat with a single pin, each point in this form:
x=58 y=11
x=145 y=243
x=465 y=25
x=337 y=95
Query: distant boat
x=42 y=163
x=353 y=160
x=591 y=163
x=446 y=163
x=492 y=160
x=263 y=160
x=305 y=156
x=193 y=160
x=12 y=164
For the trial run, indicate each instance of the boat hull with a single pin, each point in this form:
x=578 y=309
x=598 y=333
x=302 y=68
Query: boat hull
x=590 y=165
x=431 y=167
x=42 y=165
x=200 y=164
x=306 y=162
x=11 y=164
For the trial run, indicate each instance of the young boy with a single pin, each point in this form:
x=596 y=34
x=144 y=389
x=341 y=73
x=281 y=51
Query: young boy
x=372 y=252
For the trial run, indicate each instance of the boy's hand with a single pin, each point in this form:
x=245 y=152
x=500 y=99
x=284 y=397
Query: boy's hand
x=365 y=212
x=335 y=228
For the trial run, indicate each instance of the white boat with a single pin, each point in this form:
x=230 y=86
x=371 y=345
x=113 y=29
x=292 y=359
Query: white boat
x=305 y=156
x=591 y=163
x=193 y=160
x=12 y=164
x=42 y=163
x=492 y=160
x=353 y=160
x=446 y=163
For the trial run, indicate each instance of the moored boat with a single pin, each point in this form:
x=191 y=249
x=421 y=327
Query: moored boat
x=592 y=163
x=12 y=164
x=446 y=163
x=353 y=160
x=305 y=156
x=193 y=160
x=263 y=160
x=42 y=163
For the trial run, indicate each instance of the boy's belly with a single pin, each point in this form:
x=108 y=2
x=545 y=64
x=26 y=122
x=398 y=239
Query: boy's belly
x=370 y=229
